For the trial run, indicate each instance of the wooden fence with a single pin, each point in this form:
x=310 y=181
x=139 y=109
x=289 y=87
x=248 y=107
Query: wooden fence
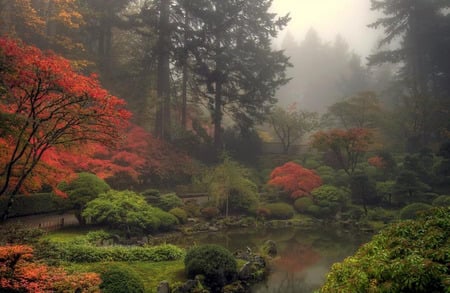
x=47 y=222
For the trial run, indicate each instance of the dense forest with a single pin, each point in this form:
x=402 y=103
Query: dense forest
x=147 y=120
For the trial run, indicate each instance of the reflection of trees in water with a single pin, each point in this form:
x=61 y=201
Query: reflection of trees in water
x=289 y=270
x=285 y=282
x=295 y=258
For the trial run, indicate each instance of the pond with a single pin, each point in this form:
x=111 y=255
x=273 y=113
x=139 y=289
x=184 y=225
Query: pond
x=304 y=255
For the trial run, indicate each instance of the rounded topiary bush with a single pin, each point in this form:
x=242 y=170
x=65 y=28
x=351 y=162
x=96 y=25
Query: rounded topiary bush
x=214 y=262
x=180 y=214
x=121 y=279
x=411 y=211
x=302 y=204
x=169 y=201
x=442 y=201
x=280 y=211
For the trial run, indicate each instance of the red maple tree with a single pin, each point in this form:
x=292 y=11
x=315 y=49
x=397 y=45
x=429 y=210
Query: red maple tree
x=346 y=145
x=138 y=158
x=18 y=273
x=295 y=179
x=377 y=162
x=47 y=108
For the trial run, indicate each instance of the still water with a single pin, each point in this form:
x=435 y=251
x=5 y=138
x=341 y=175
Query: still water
x=304 y=255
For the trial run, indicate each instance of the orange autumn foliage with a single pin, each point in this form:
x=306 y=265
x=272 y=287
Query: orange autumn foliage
x=18 y=272
x=48 y=109
x=295 y=179
x=346 y=145
x=377 y=162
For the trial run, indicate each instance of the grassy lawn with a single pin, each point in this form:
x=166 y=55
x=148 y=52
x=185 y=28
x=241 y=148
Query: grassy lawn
x=151 y=272
x=67 y=234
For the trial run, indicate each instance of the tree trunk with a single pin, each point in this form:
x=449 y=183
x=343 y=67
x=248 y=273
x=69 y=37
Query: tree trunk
x=162 y=124
x=218 y=117
x=185 y=75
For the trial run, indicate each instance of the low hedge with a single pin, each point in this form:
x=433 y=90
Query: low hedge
x=86 y=253
x=279 y=211
x=37 y=203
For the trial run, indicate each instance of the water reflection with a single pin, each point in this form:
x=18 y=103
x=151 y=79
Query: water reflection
x=304 y=256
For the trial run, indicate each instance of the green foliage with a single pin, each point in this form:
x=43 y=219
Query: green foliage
x=83 y=189
x=98 y=237
x=363 y=190
x=408 y=187
x=301 y=204
x=169 y=201
x=80 y=251
x=192 y=208
x=410 y=256
x=353 y=212
x=330 y=199
x=384 y=190
x=37 y=203
x=166 y=220
x=214 y=262
x=129 y=212
x=180 y=214
x=151 y=196
x=380 y=214
x=279 y=211
x=17 y=233
x=231 y=187
x=411 y=211
x=121 y=279
x=243 y=144
x=442 y=201
x=209 y=212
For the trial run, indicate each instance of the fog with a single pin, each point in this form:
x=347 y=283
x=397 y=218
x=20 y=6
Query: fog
x=327 y=42
x=348 y=18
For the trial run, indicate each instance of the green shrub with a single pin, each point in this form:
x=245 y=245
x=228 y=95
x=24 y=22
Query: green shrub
x=180 y=214
x=98 y=237
x=83 y=189
x=301 y=204
x=192 y=208
x=83 y=252
x=331 y=199
x=280 y=211
x=129 y=212
x=17 y=233
x=314 y=210
x=151 y=196
x=214 y=262
x=209 y=212
x=231 y=187
x=169 y=201
x=121 y=279
x=410 y=256
x=167 y=221
x=353 y=212
x=380 y=214
x=442 y=201
x=37 y=203
x=411 y=211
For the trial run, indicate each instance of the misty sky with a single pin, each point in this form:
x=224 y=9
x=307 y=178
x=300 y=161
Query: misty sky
x=330 y=17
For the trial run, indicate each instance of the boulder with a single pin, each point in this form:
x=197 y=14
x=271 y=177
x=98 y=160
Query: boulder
x=163 y=287
x=269 y=248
